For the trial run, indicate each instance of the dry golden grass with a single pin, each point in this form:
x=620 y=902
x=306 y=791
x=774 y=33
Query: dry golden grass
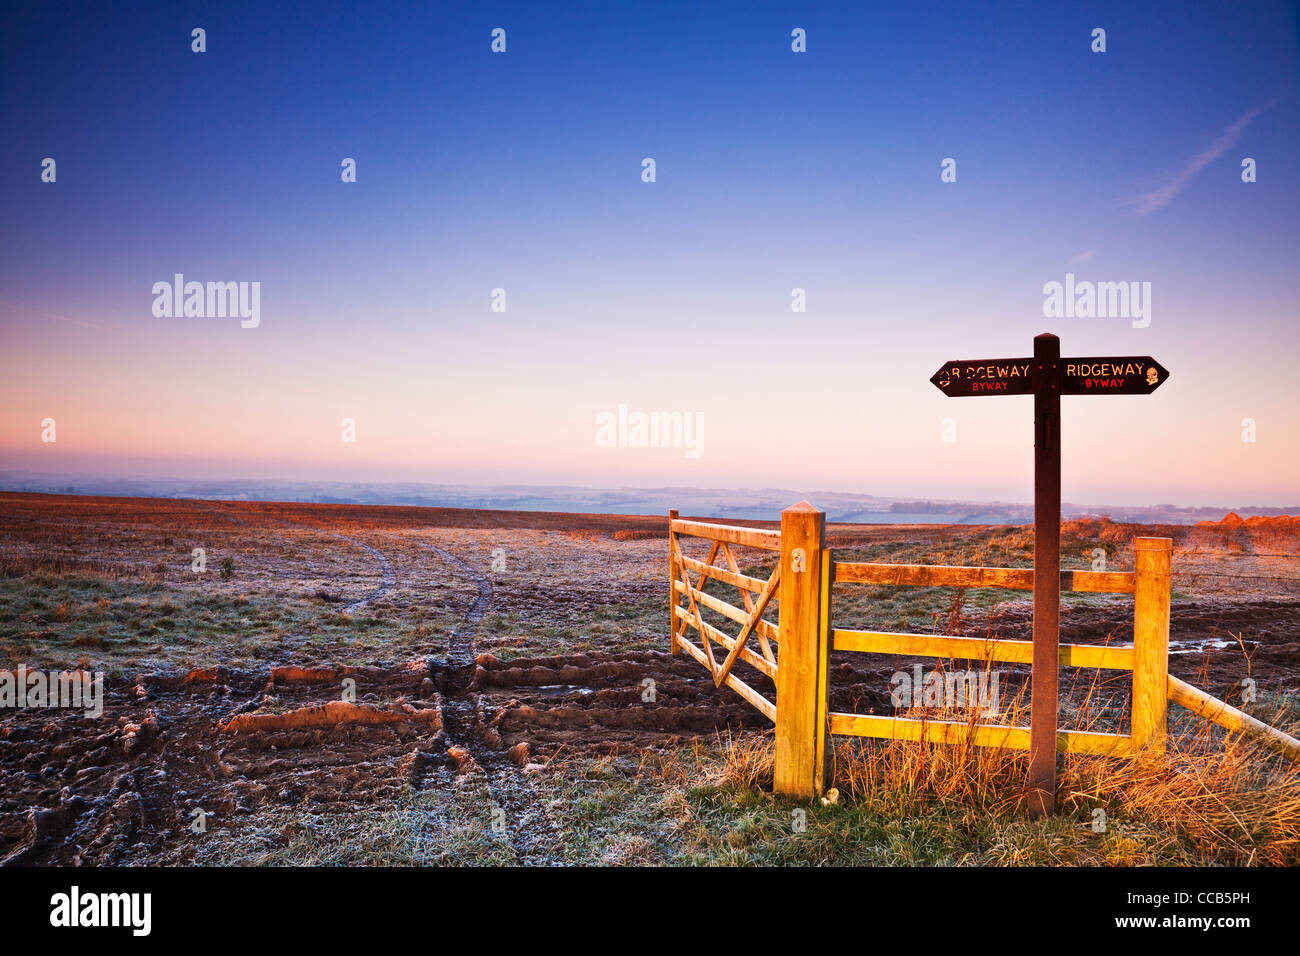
x=1211 y=799
x=1222 y=798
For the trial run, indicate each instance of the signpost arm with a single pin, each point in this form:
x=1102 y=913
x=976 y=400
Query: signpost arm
x=1047 y=574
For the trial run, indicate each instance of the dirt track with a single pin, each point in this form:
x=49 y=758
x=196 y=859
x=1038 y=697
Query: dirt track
x=93 y=792
x=125 y=787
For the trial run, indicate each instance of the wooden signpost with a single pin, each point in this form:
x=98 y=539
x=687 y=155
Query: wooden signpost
x=1047 y=377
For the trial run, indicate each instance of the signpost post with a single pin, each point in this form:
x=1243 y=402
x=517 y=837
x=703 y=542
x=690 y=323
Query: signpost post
x=1047 y=377
x=1047 y=575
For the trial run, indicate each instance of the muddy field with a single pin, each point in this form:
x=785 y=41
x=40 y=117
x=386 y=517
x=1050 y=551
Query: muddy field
x=449 y=679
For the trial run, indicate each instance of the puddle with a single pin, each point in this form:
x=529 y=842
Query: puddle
x=1196 y=647
x=561 y=690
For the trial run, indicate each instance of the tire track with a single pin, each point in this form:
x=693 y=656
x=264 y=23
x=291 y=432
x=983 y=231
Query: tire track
x=466 y=724
x=388 y=578
x=461 y=648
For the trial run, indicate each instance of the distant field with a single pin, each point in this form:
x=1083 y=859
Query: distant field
x=519 y=646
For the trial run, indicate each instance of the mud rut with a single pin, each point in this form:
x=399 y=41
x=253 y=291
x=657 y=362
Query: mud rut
x=125 y=787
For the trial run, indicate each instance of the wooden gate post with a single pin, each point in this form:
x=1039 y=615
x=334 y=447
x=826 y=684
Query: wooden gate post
x=1152 y=560
x=673 y=647
x=801 y=654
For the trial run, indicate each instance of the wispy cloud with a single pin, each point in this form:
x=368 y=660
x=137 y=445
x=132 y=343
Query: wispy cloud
x=1158 y=198
x=61 y=318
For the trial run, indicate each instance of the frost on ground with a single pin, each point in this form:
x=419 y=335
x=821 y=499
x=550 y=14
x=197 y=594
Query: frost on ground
x=317 y=683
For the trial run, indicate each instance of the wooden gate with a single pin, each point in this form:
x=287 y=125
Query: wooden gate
x=750 y=617
x=801 y=584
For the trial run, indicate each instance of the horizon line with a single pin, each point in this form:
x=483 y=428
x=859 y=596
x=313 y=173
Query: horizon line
x=885 y=499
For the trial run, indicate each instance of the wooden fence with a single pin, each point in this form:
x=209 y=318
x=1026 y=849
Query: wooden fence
x=794 y=651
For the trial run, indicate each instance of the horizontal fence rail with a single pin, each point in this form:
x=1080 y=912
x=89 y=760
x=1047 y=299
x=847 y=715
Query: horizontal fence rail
x=749 y=537
x=743 y=581
x=938 y=575
x=1104 y=656
x=981 y=735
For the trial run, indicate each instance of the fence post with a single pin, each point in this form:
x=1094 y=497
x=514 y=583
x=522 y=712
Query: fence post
x=800 y=663
x=1152 y=561
x=823 y=667
x=673 y=647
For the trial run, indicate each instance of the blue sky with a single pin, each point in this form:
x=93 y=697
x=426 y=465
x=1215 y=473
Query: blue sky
x=775 y=170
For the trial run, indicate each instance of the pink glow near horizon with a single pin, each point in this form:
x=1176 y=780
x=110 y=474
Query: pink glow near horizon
x=202 y=399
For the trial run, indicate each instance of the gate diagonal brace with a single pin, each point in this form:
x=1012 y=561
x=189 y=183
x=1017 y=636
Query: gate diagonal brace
x=760 y=606
x=694 y=608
